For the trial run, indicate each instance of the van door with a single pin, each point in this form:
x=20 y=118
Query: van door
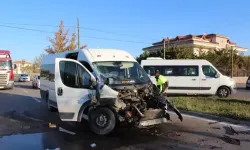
x=72 y=87
x=184 y=79
x=209 y=83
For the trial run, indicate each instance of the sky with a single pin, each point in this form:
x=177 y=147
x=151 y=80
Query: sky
x=128 y=25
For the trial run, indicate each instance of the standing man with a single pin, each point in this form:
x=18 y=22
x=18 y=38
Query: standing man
x=161 y=82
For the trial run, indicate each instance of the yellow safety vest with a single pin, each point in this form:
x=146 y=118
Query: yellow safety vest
x=161 y=80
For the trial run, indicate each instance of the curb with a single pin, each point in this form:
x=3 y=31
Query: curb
x=216 y=118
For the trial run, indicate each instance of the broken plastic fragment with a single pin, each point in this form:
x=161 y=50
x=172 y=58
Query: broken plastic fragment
x=52 y=125
x=93 y=145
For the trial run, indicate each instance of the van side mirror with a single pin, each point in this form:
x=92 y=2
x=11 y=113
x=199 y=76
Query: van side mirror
x=15 y=66
x=217 y=75
x=93 y=82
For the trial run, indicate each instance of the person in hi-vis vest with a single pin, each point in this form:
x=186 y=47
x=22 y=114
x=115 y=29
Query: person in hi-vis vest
x=161 y=82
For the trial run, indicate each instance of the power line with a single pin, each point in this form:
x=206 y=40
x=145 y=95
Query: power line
x=85 y=28
x=43 y=31
x=26 y=29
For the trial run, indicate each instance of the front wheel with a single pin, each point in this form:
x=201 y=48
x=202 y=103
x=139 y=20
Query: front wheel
x=102 y=120
x=223 y=92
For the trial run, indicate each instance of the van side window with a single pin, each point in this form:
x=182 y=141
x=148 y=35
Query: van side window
x=68 y=73
x=167 y=70
x=48 y=72
x=83 y=77
x=73 y=75
x=151 y=69
x=187 y=71
x=208 y=71
x=86 y=65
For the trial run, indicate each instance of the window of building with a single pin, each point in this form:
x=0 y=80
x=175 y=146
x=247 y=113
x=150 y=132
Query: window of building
x=209 y=71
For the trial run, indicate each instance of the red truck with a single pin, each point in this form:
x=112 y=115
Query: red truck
x=6 y=70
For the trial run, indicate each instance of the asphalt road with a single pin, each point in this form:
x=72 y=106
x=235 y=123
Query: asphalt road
x=25 y=125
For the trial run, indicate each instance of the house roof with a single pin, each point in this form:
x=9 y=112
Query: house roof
x=20 y=62
x=192 y=37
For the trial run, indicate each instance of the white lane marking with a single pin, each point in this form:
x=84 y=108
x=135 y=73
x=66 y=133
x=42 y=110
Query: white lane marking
x=36 y=99
x=210 y=120
x=66 y=131
x=25 y=91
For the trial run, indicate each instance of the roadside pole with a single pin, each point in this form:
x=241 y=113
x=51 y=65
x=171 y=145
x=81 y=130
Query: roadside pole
x=168 y=45
x=164 y=48
x=78 y=26
x=232 y=71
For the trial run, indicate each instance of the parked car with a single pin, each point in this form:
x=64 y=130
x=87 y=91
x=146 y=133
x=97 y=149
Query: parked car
x=24 y=78
x=248 y=83
x=36 y=82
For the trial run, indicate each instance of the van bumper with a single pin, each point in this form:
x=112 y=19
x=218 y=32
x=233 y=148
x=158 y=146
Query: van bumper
x=233 y=89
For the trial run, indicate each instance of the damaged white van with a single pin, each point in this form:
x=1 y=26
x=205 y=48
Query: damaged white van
x=104 y=86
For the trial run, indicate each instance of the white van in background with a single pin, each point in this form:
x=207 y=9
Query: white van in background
x=191 y=76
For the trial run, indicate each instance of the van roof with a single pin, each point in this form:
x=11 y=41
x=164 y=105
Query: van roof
x=175 y=62
x=110 y=55
x=94 y=55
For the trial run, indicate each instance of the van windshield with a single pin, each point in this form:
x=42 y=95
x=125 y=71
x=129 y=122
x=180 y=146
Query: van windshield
x=121 y=72
x=6 y=64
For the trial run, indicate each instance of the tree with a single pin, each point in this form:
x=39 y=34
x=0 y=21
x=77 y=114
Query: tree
x=62 y=42
x=220 y=58
x=37 y=61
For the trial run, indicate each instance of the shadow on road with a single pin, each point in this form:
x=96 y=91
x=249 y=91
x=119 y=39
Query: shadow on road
x=27 y=85
x=30 y=116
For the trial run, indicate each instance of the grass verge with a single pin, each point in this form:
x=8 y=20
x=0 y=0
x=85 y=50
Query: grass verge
x=232 y=108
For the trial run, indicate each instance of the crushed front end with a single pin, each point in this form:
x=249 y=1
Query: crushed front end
x=138 y=106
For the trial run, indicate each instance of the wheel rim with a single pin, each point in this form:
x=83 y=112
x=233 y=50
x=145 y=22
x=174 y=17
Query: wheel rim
x=223 y=92
x=101 y=120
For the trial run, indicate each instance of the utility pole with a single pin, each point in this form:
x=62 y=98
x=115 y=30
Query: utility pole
x=78 y=26
x=232 y=63
x=164 y=48
x=168 y=44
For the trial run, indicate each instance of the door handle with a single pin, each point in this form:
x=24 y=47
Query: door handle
x=59 y=91
x=204 y=79
x=193 y=79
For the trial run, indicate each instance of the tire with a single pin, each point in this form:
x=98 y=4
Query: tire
x=223 y=92
x=12 y=87
x=103 y=128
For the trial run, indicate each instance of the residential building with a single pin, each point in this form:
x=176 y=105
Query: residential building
x=204 y=42
x=20 y=65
